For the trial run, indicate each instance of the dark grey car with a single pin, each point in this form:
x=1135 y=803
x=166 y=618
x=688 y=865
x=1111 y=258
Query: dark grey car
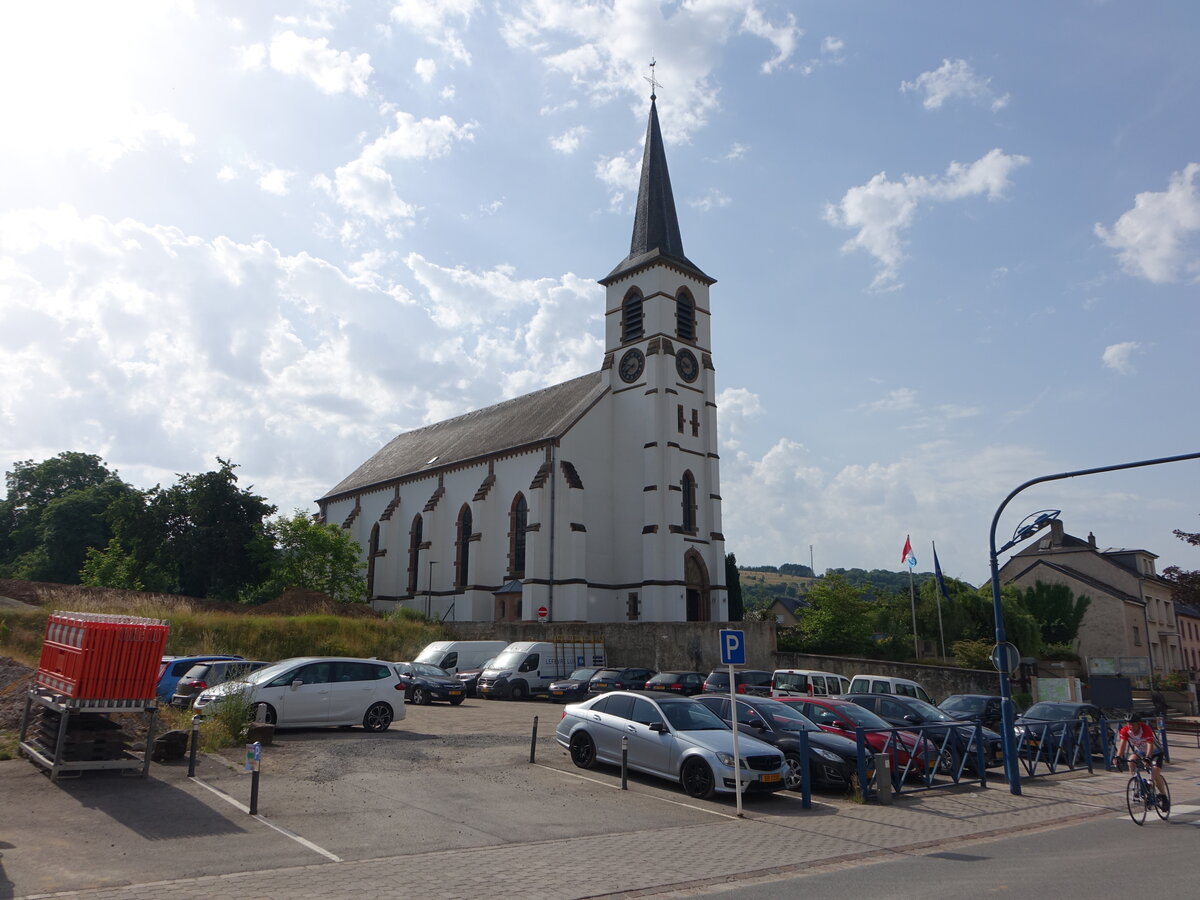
x=206 y=674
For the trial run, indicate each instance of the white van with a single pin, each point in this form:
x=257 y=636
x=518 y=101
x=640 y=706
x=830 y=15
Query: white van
x=885 y=684
x=525 y=668
x=807 y=683
x=453 y=656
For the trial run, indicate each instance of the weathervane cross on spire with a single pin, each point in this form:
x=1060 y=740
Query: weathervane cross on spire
x=654 y=84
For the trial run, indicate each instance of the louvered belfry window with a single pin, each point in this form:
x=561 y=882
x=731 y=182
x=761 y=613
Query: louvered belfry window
x=632 y=326
x=685 y=317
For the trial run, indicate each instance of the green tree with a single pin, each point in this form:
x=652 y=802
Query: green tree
x=51 y=514
x=733 y=584
x=111 y=567
x=1185 y=585
x=319 y=557
x=837 y=619
x=1057 y=611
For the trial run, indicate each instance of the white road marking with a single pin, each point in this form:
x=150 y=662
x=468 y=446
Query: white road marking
x=617 y=787
x=289 y=834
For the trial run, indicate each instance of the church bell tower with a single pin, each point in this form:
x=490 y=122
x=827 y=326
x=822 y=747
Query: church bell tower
x=658 y=365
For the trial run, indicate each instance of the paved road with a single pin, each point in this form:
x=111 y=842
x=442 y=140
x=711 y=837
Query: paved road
x=447 y=804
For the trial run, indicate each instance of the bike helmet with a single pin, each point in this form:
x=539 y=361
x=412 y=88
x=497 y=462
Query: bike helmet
x=1135 y=718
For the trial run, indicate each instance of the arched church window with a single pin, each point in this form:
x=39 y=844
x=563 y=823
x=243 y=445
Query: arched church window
x=689 y=502
x=464 y=546
x=631 y=317
x=518 y=522
x=372 y=554
x=685 y=316
x=414 y=552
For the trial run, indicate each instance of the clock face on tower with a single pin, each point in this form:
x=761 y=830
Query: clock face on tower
x=686 y=365
x=632 y=364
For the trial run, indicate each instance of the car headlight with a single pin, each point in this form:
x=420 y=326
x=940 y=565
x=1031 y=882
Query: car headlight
x=826 y=754
x=726 y=759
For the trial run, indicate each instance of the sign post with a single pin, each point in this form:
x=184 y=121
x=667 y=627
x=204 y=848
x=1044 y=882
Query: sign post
x=543 y=613
x=733 y=653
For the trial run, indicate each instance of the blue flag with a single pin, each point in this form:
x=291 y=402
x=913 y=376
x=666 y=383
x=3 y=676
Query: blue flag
x=937 y=573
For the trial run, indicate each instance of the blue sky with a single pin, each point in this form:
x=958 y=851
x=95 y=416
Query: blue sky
x=957 y=245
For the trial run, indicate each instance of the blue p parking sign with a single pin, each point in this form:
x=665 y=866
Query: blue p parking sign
x=733 y=648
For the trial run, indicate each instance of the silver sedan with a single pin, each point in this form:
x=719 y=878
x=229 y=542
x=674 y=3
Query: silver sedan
x=674 y=738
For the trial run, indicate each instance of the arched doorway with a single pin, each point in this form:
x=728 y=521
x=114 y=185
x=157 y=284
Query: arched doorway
x=696 y=587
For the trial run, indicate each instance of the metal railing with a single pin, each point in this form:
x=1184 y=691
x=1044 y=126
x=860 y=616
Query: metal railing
x=940 y=757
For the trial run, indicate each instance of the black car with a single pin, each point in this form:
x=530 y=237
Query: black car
x=754 y=682
x=469 y=678
x=685 y=683
x=935 y=724
x=1047 y=729
x=983 y=708
x=832 y=759
x=630 y=678
x=202 y=676
x=573 y=688
x=424 y=683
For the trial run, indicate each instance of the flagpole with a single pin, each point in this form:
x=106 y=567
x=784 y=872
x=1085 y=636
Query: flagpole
x=937 y=590
x=912 y=596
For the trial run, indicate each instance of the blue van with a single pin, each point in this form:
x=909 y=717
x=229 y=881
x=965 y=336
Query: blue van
x=175 y=667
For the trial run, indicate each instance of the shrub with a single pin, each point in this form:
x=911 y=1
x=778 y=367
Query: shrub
x=1172 y=681
x=1063 y=652
x=973 y=654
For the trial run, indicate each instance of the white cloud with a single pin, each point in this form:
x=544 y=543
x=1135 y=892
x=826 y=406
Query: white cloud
x=438 y=22
x=568 y=142
x=426 y=69
x=275 y=181
x=1119 y=357
x=226 y=173
x=737 y=151
x=832 y=45
x=881 y=210
x=252 y=56
x=365 y=186
x=605 y=48
x=1157 y=239
x=713 y=199
x=332 y=71
x=955 y=79
x=897 y=400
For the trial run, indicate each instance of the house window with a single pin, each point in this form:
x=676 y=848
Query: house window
x=633 y=606
x=689 y=502
x=414 y=553
x=464 y=546
x=685 y=317
x=518 y=522
x=631 y=317
x=1137 y=637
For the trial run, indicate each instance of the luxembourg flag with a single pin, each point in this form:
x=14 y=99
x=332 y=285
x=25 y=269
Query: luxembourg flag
x=907 y=557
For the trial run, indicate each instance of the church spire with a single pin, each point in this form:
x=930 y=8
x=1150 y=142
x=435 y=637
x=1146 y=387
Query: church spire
x=655 y=225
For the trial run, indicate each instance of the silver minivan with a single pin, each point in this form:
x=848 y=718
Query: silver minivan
x=807 y=683
x=886 y=684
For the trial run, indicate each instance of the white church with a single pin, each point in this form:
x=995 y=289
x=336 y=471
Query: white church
x=595 y=500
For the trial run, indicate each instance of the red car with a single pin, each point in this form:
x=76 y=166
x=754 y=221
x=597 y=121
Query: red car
x=843 y=717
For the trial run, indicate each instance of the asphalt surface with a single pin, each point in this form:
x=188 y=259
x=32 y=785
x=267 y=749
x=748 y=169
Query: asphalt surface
x=447 y=804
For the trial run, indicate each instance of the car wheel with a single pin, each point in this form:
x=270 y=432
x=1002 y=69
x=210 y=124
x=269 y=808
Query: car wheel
x=697 y=779
x=268 y=714
x=583 y=750
x=945 y=762
x=456 y=701
x=421 y=696
x=377 y=717
x=792 y=779
x=518 y=691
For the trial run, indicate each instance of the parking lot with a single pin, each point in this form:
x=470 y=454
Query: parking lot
x=447 y=803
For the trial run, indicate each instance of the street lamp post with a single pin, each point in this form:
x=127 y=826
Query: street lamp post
x=429 y=589
x=1012 y=769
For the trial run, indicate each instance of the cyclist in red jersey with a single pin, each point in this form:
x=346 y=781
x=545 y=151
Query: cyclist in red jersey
x=1136 y=740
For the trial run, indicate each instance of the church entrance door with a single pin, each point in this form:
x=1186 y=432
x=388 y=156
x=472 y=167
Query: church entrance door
x=696 y=583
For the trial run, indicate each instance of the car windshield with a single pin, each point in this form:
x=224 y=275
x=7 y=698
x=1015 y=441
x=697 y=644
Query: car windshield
x=1052 y=712
x=785 y=716
x=430 y=656
x=607 y=674
x=692 y=716
x=666 y=678
x=582 y=675
x=860 y=716
x=265 y=674
x=964 y=704
x=509 y=659
x=426 y=669
x=929 y=711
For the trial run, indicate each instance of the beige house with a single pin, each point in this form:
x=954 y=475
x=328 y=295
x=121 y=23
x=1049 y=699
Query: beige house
x=1131 y=612
x=1188 y=619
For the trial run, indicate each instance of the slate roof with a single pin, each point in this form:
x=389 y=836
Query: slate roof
x=522 y=421
x=656 y=237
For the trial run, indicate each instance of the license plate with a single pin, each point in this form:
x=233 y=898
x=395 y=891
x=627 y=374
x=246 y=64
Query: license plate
x=658 y=687
x=455 y=693
x=601 y=684
x=770 y=776
x=557 y=693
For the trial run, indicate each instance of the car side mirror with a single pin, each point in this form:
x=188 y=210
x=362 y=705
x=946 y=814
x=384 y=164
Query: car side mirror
x=658 y=727
x=912 y=718
x=295 y=684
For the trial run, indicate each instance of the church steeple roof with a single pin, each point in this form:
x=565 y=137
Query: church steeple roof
x=655 y=225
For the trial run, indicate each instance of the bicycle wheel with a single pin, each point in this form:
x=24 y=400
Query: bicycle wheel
x=1164 y=814
x=1133 y=800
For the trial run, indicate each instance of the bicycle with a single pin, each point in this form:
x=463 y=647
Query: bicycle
x=1141 y=796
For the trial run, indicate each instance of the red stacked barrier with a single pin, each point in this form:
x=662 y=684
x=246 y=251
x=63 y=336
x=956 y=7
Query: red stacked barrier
x=101 y=657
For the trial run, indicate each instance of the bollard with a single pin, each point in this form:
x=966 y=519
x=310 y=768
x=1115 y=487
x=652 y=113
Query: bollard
x=253 y=760
x=883 y=778
x=624 y=763
x=254 y=793
x=533 y=741
x=194 y=747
